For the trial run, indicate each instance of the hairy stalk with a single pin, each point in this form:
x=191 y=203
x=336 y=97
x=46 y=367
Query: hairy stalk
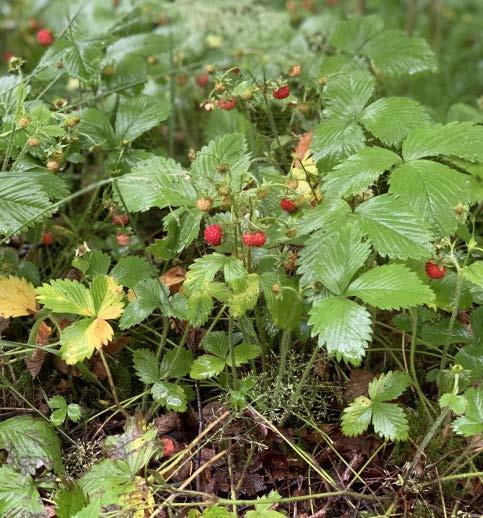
x=232 y=352
x=121 y=409
x=284 y=346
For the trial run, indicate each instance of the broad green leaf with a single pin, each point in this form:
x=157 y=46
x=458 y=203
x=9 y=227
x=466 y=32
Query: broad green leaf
x=393 y=230
x=216 y=343
x=138 y=115
x=388 y=386
x=146 y=365
x=96 y=129
x=340 y=255
x=471 y=423
x=149 y=295
x=170 y=395
x=245 y=294
x=391 y=286
x=456 y=139
x=144 y=44
x=31 y=443
x=18 y=494
x=176 y=363
x=356 y=418
x=471 y=358
x=343 y=326
x=206 y=366
x=67 y=296
x=474 y=273
x=131 y=270
x=390 y=119
x=233 y=269
x=22 y=203
x=200 y=306
x=202 y=272
x=156 y=182
x=329 y=215
x=244 y=353
x=456 y=403
x=351 y=35
x=389 y=421
x=359 y=171
x=69 y=500
x=432 y=190
x=336 y=138
x=444 y=289
x=93 y=263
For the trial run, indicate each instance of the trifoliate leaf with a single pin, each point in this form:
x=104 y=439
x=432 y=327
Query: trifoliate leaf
x=356 y=418
x=472 y=273
x=17 y=297
x=176 y=363
x=170 y=395
x=245 y=294
x=389 y=421
x=388 y=386
x=471 y=423
x=391 y=286
x=343 y=326
x=66 y=296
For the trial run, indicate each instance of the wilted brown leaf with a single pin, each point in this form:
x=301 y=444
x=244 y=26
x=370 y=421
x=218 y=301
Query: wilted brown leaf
x=173 y=278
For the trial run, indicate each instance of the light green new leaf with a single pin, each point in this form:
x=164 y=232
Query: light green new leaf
x=156 y=182
x=340 y=255
x=432 y=190
x=146 y=365
x=18 y=494
x=471 y=423
x=391 y=286
x=394 y=230
x=456 y=139
x=343 y=326
x=170 y=395
x=206 y=366
x=455 y=402
x=390 y=119
x=67 y=296
x=202 y=272
x=359 y=171
x=356 y=418
x=31 y=443
x=245 y=294
x=474 y=273
x=389 y=421
x=336 y=139
x=388 y=386
x=138 y=115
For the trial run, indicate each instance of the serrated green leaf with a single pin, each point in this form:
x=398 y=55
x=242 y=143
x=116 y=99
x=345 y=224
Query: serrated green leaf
x=96 y=129
x=81 y=338
x=245 y=294
x=389 y=421
x=92 y=263
x=69 y=500
x=74 y=412
x=474 y=273
x=216 y=343
x=31 y=443
x=471 y=423
x=394 y=230
x=244 y=353
x=131 y=270
x=390 y=119
x=391 y=286
x=144 y=44
x=18 y=494
x=170 y=395
x=138 y=115
x=327 y=216
x=343 y=326
x=202 y=272
x=206 y=366
x=432 y=190
x=200 y=306
x=336 y=139
x=456 y=139
x=146 y=365
x=176 y=363
x=359 y=171
x=67 y=296
x=356 y=418
x=352 y=34
x=388 y=386
x=455 y=402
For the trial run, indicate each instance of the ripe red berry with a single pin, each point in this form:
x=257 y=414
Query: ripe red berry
x=47 y=238
x=122 y=239
x=213 y=235
x=227 y=104
x=45 y=37
x=120 y=219
x=288 y=205
x=282 y=92
x=435 y=271
x=169 y=446
x=254 y=238
x=202 y=80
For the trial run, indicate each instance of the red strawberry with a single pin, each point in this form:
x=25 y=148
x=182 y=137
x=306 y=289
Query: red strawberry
x=282 y=92
x=213 y=235
x=227 y=104
x=254 y=238
x=120 y=219
x=434 y=271
x=122 y=239
x=202 y=80
x=169 y=446
x=47 y=238
x=287 y=205
x=45 y=37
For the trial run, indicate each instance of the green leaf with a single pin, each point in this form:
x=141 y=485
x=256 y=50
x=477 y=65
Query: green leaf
x=356 y=418
x=202 y=272
x=146 y=365
x=206 y=366
x=144 y=44
x=74 y=412
x=80 y=339
x=156 y=182
x=96 y=129
x=245 y=294
x=456 y=139
x=18 y=494
x=216 y=343
x=453 y=401
x=31 y=443
x=471 y=423
x=21 y=201
x=389 y=421
x=138 y=115
x=131 y=270
x=474 y=273
x=176 y=363
x=346 y=95
x=329 y=215
x=150 y=295
x=92 y=263
x=67 y=296
x=69 y=500
x=336 y=139
x=351 y=35
x=390 y=119
x=359 y=171
x=394 y=231
x=388 y=386
x=340 y=255
x=432 y=190
x=343 y=326
x=391 y=286
x=264 y=507
x=170 y=395
x=244 y=353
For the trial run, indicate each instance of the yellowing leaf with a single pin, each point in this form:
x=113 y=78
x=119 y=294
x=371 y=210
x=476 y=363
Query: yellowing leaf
x=140 y=502
x=107 y=296
x=304 y=171
x=66 y=296
x=17 y=297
